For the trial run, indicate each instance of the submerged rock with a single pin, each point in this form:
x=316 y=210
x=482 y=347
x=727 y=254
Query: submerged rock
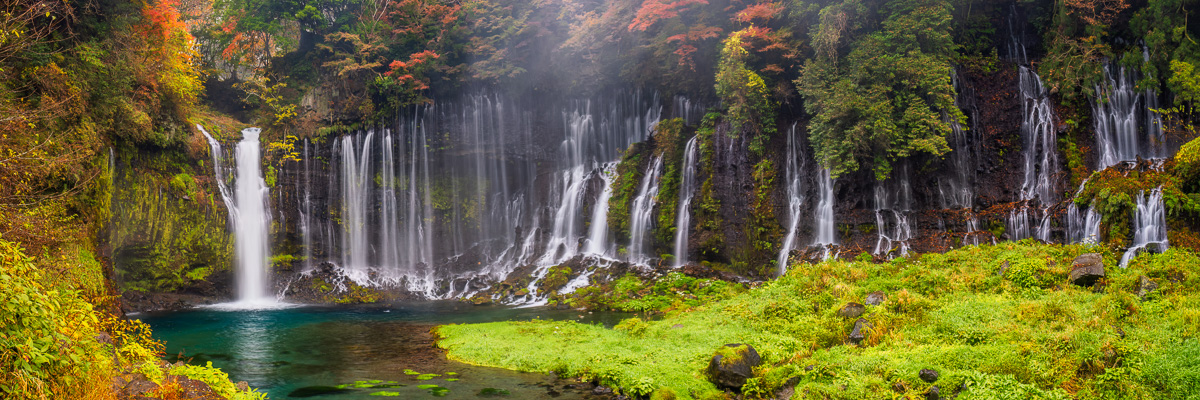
x=732 y=365
x=851 y=310
x=1087 y=269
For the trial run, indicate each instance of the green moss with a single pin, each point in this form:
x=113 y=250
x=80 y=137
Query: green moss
x=708 y=207
x=670 y=139
x=949 y=312
x=625 y=186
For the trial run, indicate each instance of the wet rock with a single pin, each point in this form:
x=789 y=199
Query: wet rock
x=860 y=331
x=602 y=391
x=934 y=393
x=875 y=298
x=1087 y=269
x=928 y=375
x=732 y=365
x=851 y=310
x=1146 y=286
x=243 y=386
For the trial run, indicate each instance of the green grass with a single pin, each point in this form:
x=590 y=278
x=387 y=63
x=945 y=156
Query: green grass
x=1038 y=337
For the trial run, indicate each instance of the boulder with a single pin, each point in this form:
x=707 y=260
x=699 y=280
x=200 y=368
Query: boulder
x=860 y=331
x=851 y=310
x=1087 y=269
x=732 y=364
x=928 y=375
x=1146 y=286
x=193 y=389
x=875 y=298
x=933 y=394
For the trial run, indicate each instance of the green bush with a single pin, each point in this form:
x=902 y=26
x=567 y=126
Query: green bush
x=217 y=380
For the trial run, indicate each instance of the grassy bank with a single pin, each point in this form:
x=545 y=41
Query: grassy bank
x=1023 y=333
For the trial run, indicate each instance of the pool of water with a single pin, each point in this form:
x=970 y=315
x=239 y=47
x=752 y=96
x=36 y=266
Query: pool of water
x=307 y=352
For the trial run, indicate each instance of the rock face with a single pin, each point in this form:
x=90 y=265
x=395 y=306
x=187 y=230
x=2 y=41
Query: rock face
x=875 y=298
x=732 y=365
x=1146 y=286
x=860 y=331
x=851 y=310
x=1087 y=269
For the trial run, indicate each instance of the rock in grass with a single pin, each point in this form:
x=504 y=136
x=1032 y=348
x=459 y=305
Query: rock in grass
x=732 y=364
x=1087 y=269
x=933 y=394
x=928 y=375
x=875 y=298
x=860 y=331
x=1146 y=286
x=851 y=310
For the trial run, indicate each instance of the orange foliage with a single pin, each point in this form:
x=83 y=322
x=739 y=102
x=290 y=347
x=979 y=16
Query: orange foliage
x=653 y=11
x=1097 y=12
x=695 y=34
x=414 y=18
x=761 y=12
x=411 y=73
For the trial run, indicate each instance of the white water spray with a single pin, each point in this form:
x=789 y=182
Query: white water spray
x=687 y=188
x=1149 y=226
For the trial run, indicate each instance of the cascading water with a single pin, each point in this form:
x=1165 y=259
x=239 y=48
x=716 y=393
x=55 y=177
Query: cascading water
x=891 y=215
x=248 y=215
x=1149 y=226
x=824 y=215
x=1041 y=159
x=794 y=176
x=957 y=190
x=1083 y=226
x=641 y=216
x=687 y=188
x=598 y=231
x=1126 y=127
x=356 y=176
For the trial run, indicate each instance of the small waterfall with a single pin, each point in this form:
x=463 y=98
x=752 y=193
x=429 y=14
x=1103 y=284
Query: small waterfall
x=249 y=216
x=641 y=217
x=958 y=189
x=794 y=176
x=1126 y=128
x=306 y=229
x=1041 y=141
x=598 y=232
x=571 y=184
x=891 y=216
x=1149 y=226
x=1083 y=226
x=684 y=108
x=687 y=188
x=824 y=215
x=972 y=229
x=1018 y=224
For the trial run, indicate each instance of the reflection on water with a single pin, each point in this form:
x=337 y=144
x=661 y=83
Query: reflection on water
x=291 y=351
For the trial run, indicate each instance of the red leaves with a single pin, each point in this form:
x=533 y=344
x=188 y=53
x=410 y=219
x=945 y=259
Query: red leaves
x=761 y=12
x=695 y=34
x=653 y=11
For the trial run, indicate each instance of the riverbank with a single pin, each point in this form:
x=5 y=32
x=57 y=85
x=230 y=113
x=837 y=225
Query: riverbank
x=992 y=321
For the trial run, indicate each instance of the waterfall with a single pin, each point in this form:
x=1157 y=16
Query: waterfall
x=958 y=189
x=1083 y=226
x=689 y=111
x=1041 y=141
x=824 y=216
x=641 y=217
x=891 y=215
x=598 y=232
x=306 y=231
x=249 y=216
x=972 y=229
x=563 y=243
x=1149 y=226
x=1126 y=128
x=356 y=176
x=793 y=175
x=687 y=188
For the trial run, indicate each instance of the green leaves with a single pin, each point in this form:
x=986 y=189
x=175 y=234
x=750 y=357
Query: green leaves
x=890 y=96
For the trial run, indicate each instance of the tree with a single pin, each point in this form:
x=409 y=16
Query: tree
x=742 y=91
x=885 y=98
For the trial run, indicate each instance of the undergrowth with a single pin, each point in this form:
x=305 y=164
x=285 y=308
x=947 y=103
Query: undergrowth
x=1025 y=333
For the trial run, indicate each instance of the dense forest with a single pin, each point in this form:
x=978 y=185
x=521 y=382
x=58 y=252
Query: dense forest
x=689 y=159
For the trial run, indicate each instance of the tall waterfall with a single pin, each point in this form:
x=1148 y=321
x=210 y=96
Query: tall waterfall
x=824 y=215
x=641 y=216
x=1126 y=128
x=1041 y=160
x=248 y=214
x=1149 y=226
x=598 y=231
x=687 y=188
x=891 y=214
x=793 y=175
x=459 y=190
x=957 y=190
